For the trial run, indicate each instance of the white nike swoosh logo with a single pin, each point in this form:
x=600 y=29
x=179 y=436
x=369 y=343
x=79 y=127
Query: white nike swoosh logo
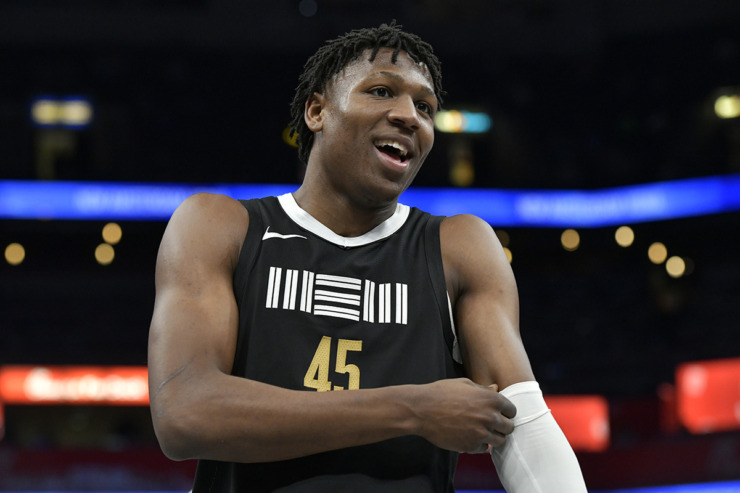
x=269 y=235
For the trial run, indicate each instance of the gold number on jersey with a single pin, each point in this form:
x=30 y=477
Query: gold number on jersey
x=344 y=345
x=317 y=376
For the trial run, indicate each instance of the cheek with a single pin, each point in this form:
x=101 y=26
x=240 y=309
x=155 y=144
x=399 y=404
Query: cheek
x=428 y=139
x=344 y=126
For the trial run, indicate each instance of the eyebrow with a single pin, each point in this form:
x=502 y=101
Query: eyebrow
x=427 y=89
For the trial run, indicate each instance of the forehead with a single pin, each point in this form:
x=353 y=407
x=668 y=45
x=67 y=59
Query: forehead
x=404 y=68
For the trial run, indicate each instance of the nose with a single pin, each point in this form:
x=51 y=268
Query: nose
x=404 y=113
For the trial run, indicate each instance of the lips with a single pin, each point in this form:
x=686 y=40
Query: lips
x=392 y=147
x=395 y=151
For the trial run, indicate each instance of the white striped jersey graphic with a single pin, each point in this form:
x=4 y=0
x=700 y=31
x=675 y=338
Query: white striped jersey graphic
x=337 y=296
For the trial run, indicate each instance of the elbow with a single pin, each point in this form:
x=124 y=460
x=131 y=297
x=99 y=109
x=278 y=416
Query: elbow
x=172 y=443
x=175 y=432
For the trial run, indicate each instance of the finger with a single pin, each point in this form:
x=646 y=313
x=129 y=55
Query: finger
x=482 y=448
x=497 y=440
x=507 y=408
x=493 y=386
x=503 y=427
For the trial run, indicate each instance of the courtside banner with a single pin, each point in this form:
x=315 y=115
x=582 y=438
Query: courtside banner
x=708 y=395
x=115 y=385
x=584 y=420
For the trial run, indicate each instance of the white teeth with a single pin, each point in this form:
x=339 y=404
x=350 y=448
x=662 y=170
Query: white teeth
x=393 y=144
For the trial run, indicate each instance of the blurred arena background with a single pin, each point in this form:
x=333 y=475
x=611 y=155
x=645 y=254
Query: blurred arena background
x=640 y=359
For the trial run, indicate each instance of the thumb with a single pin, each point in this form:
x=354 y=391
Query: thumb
x=494 y=387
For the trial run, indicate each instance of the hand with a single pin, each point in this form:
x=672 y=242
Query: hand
x=460 y=415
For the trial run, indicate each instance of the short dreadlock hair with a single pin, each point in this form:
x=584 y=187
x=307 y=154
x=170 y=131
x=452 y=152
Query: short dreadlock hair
x=336 y=54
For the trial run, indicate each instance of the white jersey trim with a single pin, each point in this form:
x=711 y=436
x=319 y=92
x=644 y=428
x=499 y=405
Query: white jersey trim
x=308 y=222
x=456 y=354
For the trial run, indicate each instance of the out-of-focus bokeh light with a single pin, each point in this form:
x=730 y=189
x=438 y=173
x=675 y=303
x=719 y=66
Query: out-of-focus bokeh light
x=112 y=233
x=570 y=239
x=675 y=266
x=104 y=254
x=457 y=121
x=45 y=112
x=462 y=173
x=657 y=253
x=71 y=112
x=624 y=236
x=15 y=254
x=290 y=137
x=727 y=106
x=508 y=254
x=76 y=113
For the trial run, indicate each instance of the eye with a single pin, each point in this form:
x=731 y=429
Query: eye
x=425 y=107
x=381 y=92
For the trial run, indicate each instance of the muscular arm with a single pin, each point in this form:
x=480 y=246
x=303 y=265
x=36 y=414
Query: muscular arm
x=485 y=302
x=535 y=457
x=199 y=410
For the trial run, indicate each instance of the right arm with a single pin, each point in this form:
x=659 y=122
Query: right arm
x=201 y=411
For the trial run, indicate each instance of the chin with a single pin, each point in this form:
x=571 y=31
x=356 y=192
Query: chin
x=381 y=195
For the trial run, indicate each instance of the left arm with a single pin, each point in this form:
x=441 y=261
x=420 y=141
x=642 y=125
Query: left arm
x=485 y=303
x=536 y=457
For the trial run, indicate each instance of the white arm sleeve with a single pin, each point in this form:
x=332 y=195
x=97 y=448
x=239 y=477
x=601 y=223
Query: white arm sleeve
x=536 y=457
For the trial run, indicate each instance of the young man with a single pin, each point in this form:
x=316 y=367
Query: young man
x=333 y=339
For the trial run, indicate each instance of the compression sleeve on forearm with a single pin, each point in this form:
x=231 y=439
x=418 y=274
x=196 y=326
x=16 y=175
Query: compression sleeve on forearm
x=536 y=457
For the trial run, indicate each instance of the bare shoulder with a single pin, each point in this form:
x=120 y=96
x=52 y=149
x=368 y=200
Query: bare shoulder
x=470 y=249
x=210 y=210
x=466 y=227
x=207 y=228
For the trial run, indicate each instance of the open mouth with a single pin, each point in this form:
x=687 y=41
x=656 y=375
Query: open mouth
x=393 y=149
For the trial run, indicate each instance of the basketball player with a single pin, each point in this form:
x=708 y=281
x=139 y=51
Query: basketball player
x=333 y=339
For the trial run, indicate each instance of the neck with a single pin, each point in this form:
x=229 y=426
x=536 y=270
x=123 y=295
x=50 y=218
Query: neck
x=346 y=216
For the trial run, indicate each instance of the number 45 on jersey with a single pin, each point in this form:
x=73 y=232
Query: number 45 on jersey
x=317 y=376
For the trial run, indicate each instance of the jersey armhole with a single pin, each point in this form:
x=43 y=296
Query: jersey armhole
x=250 y=246
x=433 y=250
x=245 y=263
x=456 y=354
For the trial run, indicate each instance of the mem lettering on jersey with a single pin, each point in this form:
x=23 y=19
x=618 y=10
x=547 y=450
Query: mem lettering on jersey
x=337 y=296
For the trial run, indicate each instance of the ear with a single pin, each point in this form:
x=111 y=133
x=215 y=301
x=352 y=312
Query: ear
x=314 y=112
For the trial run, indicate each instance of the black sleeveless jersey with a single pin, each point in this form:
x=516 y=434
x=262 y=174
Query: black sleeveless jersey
x=321 y=312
